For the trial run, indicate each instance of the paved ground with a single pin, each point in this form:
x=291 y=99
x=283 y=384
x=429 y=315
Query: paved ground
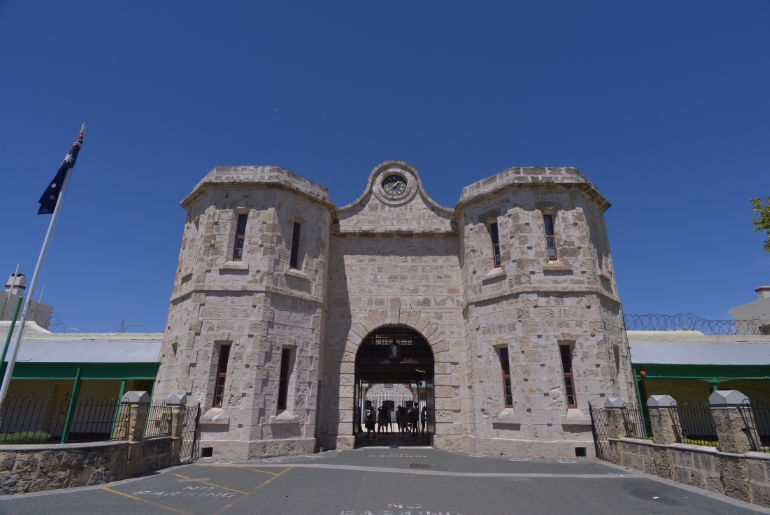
x=380 y=481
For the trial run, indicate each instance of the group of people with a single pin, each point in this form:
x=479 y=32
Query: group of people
x=407 y=419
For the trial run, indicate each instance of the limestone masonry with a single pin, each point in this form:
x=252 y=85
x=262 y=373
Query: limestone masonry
x=395 y=258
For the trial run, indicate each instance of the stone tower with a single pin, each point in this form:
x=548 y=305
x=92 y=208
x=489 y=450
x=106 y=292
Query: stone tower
x=503 y=312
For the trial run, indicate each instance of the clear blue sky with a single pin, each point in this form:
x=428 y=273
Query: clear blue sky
x=664 y=106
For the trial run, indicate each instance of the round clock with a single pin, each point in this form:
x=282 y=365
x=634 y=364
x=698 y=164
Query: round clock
x=394 y=185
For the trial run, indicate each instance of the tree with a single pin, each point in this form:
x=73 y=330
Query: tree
x=762 y=222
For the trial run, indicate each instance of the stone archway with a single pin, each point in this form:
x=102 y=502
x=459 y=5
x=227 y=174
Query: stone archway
x=395 y=357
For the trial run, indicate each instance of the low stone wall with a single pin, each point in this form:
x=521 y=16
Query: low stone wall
x=741 y=476
x=34 y=468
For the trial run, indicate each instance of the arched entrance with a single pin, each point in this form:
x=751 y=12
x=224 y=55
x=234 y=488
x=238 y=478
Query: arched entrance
x=394 y=368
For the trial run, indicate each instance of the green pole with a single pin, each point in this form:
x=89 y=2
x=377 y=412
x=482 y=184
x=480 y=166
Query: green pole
x=639 y=399
x=73 y=403
x=117 y=408
x=714 y=387
x=8 y=338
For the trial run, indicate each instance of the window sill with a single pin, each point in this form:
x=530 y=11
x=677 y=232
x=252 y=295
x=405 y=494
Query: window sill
x=215 y=417
x=299 y=274
x=284 y=418
x=507 y=416
x=575 y=417
x=605 y=275
x=494 y=274
x=556 y=266
x=235 y=265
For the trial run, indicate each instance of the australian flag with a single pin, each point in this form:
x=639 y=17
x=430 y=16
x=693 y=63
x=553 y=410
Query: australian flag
x=51 y=196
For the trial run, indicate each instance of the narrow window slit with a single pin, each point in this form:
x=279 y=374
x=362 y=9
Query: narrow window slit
x=240 y=237
x=219 y=390
x=294 y=246
x=495 y=244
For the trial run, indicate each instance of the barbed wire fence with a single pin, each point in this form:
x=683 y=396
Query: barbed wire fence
x=690 y=322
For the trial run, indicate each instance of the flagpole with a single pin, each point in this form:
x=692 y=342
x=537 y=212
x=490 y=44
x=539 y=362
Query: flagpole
x=38 y=266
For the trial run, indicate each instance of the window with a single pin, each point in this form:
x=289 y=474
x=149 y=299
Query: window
x=550 y=243
x=240 y=236
x=283 y=385
x=507 y=390
x=294 y=246
x=219 y=389
x=569 y=383
x=495 y=244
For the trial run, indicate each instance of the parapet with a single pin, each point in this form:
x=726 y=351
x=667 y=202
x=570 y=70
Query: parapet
x=532 y=176
x=275 y=176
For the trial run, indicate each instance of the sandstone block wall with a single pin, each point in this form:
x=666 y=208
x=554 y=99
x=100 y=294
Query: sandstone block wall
x=395 y=259
x=35 y=468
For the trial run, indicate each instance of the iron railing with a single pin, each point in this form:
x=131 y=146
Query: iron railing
x=28 y=420
x=696 y=423
x=158 y=420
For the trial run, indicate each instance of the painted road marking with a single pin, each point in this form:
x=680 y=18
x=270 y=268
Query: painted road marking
x=274 y=477
x=212 y=484
x=169 y=508
x=399 y=509
x=257 y=470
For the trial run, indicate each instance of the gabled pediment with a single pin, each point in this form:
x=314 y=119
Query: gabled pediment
x=394 y=201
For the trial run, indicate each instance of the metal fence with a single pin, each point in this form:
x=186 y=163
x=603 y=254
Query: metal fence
x=756 y=420
x=692 y=423
x=28 y=420
x=158 y=420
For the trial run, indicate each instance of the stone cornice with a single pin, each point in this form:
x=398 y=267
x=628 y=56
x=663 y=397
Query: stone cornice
x=250 y=291
x=516 y=292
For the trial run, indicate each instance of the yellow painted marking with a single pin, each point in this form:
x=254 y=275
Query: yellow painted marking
x=212 y=484
x=145 y=500
x=257 y=470
x=223 y=508
x=274 y=477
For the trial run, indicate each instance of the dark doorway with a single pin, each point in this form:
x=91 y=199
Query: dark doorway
x=394 y=368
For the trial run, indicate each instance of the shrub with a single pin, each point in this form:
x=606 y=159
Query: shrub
x=25 y=437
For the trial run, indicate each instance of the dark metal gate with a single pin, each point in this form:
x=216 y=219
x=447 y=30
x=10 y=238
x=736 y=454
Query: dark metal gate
x=190 y=433
x=601 y=430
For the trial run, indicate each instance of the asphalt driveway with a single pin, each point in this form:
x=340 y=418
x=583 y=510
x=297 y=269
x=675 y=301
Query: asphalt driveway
x=383 y=481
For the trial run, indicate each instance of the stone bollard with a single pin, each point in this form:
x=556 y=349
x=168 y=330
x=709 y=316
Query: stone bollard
x=138 y=404
x=731 y=428
x=665 y=428
x=178 y=405
x=617 y=425
x=734 y=439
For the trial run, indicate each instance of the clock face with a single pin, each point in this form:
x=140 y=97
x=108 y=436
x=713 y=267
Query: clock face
x=394 y=185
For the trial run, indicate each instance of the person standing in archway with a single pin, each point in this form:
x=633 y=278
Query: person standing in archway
x=424 y=418
x=370 y=421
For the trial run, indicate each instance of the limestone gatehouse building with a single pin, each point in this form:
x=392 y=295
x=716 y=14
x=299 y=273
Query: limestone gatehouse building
x=291 y=316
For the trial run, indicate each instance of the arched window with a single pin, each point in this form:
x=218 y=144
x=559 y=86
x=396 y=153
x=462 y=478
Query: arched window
x=410 y=347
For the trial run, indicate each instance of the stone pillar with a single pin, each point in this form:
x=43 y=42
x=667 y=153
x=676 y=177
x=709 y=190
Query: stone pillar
x=614 y=407
x=731 y=428
x=138 y=405
x=178 y=405
x=665 y=431
x=665 y=428
x=733 y=438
